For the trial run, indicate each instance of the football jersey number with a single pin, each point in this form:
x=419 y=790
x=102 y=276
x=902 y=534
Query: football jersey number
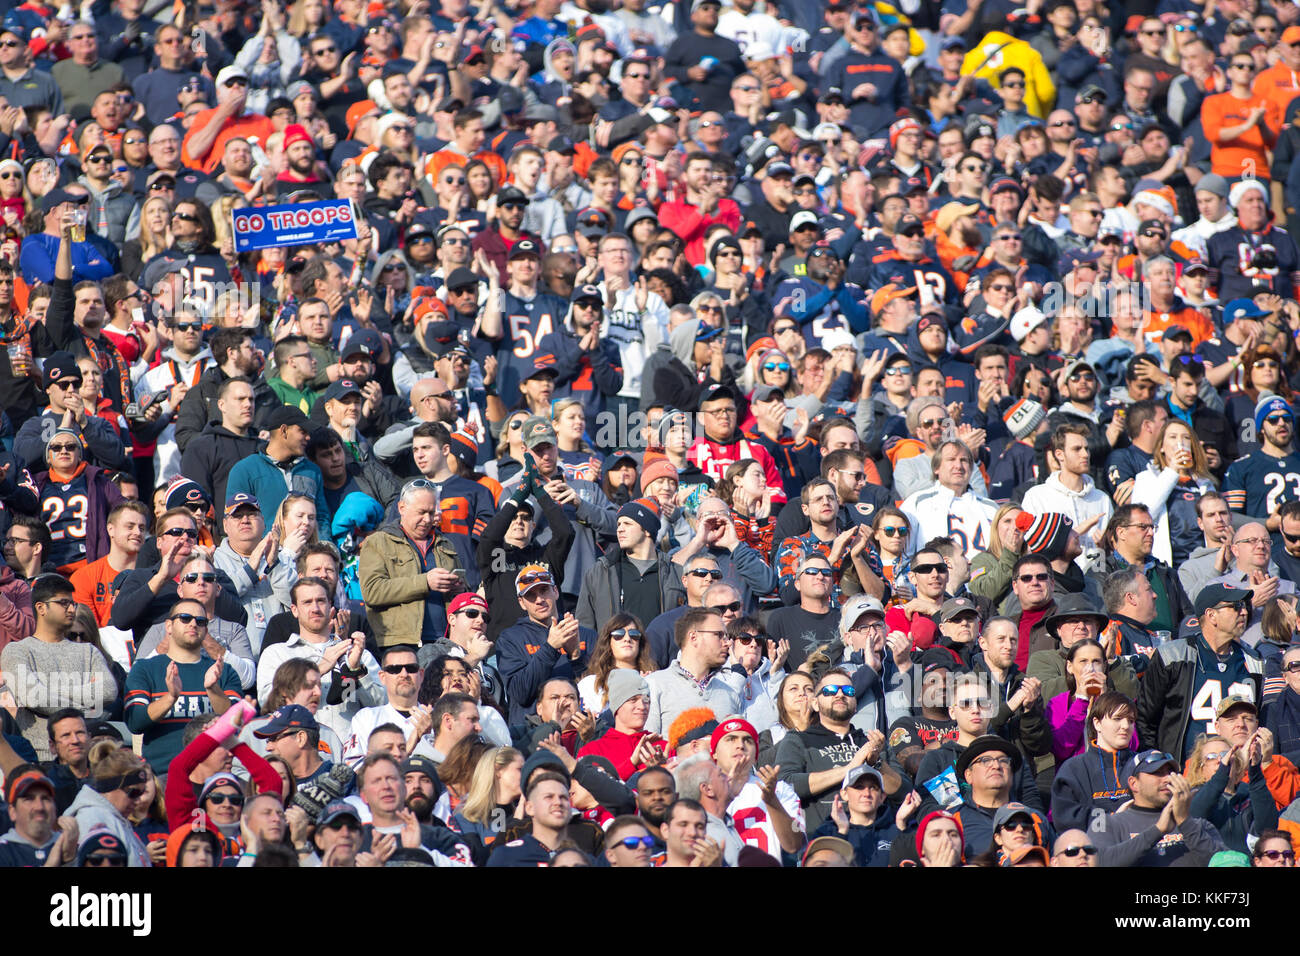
x=957 y=531
x=932 y=281
x=753 y=836
x=525 y=339
x=1207 y=700
x=1278 y=485
x=77 y=507
x=455 y=515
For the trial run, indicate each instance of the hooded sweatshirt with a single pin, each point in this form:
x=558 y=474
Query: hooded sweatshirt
x=1087 y=786
x=1053 y=497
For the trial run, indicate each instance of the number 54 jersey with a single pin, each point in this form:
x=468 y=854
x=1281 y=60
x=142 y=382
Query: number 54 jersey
x=1259 y=484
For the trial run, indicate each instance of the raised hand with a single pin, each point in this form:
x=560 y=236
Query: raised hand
x=212 y=679
x=173 y=680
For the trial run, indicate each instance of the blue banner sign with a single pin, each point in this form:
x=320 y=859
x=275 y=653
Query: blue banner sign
x=260 y=227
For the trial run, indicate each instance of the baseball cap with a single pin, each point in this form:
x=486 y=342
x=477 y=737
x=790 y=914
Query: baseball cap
x=805 y=217
x=1003 y=184
x=57 y=197
x=511 y=194
x=1195 y=264
x=1025 y=321
x=857 y=773
x=855 y=608
x=524 y=247
x=587 y=293
x=955 y=606
x=462 y=278
x=765 y=393
x=467 y=599
x=231 y=72
x=532 y=576
x=1148 y=761
x=592 y=222
x=362 y=342
x=288 y=717
x=241 y=499
x=537 y=431
x=24 y=782
x=910 y=225
x=1214 y=594
x=341 y=389
x=780 y=169
x=1236 y=700
x=284 y=415
x=543 y=364
x=336 y=809
x=1242 y=309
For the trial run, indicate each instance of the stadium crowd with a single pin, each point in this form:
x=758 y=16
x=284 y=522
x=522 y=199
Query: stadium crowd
x=779 y=433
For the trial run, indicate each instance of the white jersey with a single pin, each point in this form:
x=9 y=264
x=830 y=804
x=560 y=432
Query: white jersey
x=636 y=335
x=762 y=28
x=364 y=723
x=159 y=380
x=750 y=817
x=935 y=512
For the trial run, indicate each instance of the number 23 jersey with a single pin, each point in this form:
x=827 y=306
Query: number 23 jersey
x=65 y=507
x=1259 y=484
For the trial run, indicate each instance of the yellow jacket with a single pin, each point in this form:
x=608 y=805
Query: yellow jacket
x=1040 y=91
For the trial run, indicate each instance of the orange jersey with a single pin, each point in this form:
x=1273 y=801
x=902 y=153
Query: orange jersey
x=93 y=586
x=244 y=126
x=1279 y=86
x=1247 y=154
x=1182 y=314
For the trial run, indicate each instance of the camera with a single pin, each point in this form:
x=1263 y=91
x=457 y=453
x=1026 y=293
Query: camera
x=324 y=790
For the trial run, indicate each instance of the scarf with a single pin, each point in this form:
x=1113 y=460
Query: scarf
x=22 y=327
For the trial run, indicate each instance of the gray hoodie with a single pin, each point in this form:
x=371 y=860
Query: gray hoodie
x=91 y=809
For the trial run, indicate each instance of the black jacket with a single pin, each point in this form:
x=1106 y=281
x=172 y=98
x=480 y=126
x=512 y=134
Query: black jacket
x=200 y=406
x=1164 y=702
x=1027 y=729
x=500 y=562
x=208 y=459
x=676 y=385
x=803 y=753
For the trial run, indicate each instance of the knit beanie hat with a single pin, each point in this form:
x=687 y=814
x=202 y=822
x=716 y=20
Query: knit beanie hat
x=645 y=512
x=622 y=685
x=1045 y=534
x=1270 y=405
x=930 y=818
x=1023 y=417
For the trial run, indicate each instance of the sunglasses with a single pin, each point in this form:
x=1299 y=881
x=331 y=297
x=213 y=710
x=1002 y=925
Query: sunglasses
x=110 y=859
x=784 y=329
x=824 y=572
x=776 y=366
x=186 y=618
x=1277 y=419
x=1072 y=851
x=177 y=532
x=322 y=50
x=343 y=824
x=632 y=843
x=706 y=573
x=830 y=690
x=747 y=638
x=1002 y=287
x=194 y=577
x=62 y=447
x=473 y=613
x=455 y=241
x=160 y=186
x=1082 y=376
x=621 y=632
x=1062 y=123
x=135 y=793
x=935 y=568
x=895 y=532
x=1153 y=234
x=734 y=607
x=1277 y=854
x=188 y=326
x=101 y=158
x=401 y=668
x=1025 y=826
x=185 y=217
x=1014 y=85
x=1120 y=127
x=235 y=799
x=899 y=370
x=1029 y=578
x=1010 y=236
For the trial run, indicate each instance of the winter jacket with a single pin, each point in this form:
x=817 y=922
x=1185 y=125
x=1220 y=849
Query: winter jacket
x=91 y=809
x=395 y=586
x=1028 y=728
x=675 y=689
x=17 y=619
x=102 y=496
x=209 y=458
x=937 y=762
x=270 y=483
x=1153 y=489
x=136 y=608
x=1238 y=816
x=200 y=406
x=990 y=576
x=113 y=213
x=1165 y=698
x=1161 y=576
x=871 y=844
x=1129 y=837
x=264 y=595
x=527 y=662
x=103 y=446
x=500 y=562
x=601 y=596
x=1088 y=786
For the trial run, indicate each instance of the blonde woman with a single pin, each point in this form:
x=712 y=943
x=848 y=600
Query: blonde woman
x=117 y=790
x=155 y=235
x=511 y=453
x=990 y=571
x=295 y=525
x=577 y=458
x=493 y=801
x=1177 y=476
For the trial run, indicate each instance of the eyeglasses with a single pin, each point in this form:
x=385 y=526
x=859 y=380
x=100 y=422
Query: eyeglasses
x=1140 y=527
x=401 y=668
x=177 y=532
x=633 y=843
x=62 y=447
x=824 y=572
x=1277 y=419
x=13 y=540
x=1010 y=236
x=66 y=603
x=936 y=568
x=234 y=799
x=1041 y=578
x=619 y=633
x=185 y=217
x=735 y=607
x=895 y=532
x=1085 y=848
x=714 y=573
x=194 y=577
x=830 y=690
x=186 y=618
x=1252 y=542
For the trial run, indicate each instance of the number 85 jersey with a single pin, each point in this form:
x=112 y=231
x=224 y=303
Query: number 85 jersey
x=1259 y=484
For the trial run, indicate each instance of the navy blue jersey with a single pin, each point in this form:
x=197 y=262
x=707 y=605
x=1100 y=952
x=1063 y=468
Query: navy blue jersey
x=1123 y=464
x=64 y=508
x=1184 y=535
x=1212 y=681
x=1259 y=484
x=526 y=851
x=526 y=322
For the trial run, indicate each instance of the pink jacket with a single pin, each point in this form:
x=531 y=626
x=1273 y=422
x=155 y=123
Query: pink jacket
x=17 y=620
